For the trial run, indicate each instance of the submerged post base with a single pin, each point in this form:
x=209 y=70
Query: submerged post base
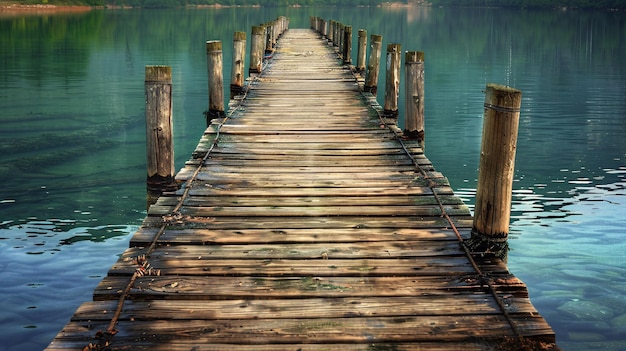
x=496 y=245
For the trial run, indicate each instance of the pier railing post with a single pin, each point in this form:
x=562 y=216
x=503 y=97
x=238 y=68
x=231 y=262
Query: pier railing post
x=361 y=50
x=237 y=77
x=373 y=64
x=495 y=176
x=414 y=95
x=341 y=39
x=392 y=85
x=347 y=45
x=257 y=46
x=159 y=140
x=331 y=31
x=269 y=32
x=216 y=80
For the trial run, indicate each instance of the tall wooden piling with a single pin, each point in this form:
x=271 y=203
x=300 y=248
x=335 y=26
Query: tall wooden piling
x=373 y=64
x=341 y=41
x=495 y=176
x=159 y=141
x=331 y=31
x=392 y=85
x=269 y=41
x=414 y=95
x=347 y=45
x=237 y=77
x=257 y=46
x=216 y=80
x=361 y=50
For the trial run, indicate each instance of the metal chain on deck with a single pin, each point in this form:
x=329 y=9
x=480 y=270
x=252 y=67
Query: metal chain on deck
x=143 y=266
x=484 y=279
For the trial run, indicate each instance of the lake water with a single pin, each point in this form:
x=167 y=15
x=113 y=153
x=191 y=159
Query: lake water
x=72 y=144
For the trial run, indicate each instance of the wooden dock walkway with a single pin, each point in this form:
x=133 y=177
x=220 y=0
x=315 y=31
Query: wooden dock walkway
x=305 y=223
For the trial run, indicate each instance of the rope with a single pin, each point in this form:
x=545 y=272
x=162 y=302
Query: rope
x=484 y=279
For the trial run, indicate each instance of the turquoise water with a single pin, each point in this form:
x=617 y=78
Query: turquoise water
x=72 y=144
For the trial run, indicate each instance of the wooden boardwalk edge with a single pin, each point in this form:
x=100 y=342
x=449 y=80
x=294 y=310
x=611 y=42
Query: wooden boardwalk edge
x=306 y=223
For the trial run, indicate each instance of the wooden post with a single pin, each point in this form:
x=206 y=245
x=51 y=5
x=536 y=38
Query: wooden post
x=392 y=86
x=159 y=141
x=414 y=95
x=269 y=32
x=237 y=77
x=216 y=80
x=347 y=45
x=257 y=44
x=336 y=36
x=361 y=50
x=331 y=31
x=495 y=176
x=341 y=39
x=373 y=64
x=324 y=28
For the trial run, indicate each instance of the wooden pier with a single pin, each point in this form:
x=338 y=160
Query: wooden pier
x=306 y=223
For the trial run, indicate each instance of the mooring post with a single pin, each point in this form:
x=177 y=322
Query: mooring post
x=269 y=30
x=216 y=80
x=361 y=50
x=237 y=77
x=392 y=85
x=347 y=46
x=495 y=176
x=336 y=36
x=257 y=44
x=276 y=32
x=373 y=64
x=341 y=39
x=324 y=28
x=414 y=95
x=159 y=141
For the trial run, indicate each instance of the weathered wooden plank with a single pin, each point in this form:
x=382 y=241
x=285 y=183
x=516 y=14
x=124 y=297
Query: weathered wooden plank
x=474 y=345
x=434 y=304
x=309 y=211
x=274 y=223
x=303 y=201
x=323 y=330
x=265 y=288
x=208 y=189
x=204 y=266
x=199 y=236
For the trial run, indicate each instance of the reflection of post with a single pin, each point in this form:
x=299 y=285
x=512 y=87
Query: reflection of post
x=257 y=46
x=216 y=80
x=237 y=76
x=495 y=176
x=347 y=45
x=361 y=50
x=373 y=64
x=392 y=85
x=414 y=95
x=159 y=142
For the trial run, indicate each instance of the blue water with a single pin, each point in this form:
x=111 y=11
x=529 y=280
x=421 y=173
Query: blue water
x=72 y=145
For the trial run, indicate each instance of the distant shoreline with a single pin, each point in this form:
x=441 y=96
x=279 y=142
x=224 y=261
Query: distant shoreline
x=9 y=9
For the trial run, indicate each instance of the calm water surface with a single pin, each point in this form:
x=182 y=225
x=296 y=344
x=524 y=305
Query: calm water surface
x=72 y=159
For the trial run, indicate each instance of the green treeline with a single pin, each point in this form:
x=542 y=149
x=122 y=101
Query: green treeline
x=585 y=4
